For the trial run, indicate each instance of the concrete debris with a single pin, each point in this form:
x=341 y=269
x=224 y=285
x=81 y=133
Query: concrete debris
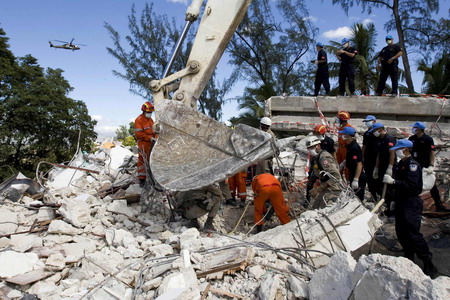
x=84 y=239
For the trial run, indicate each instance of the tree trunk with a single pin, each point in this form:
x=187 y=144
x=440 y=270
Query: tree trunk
x=401 y=40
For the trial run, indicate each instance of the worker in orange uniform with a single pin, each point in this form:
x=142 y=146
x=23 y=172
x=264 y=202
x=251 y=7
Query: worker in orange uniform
x=267 y=187
x=342 y=121
x=237 y=182
x=145 y=136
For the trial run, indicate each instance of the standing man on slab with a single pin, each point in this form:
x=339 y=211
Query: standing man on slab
x=388 y=62
x=322 y=77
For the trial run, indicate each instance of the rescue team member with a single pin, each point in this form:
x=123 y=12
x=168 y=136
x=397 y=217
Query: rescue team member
x=322 y=77
x=423 y=153
x=329 y=187
x=407 y=184
x=370 y=153
x=346 y=71
x=267 y=188
x=265 y=165
x=354 y=162
x=237 y=182
x=388 y=61
x=385 y=161
x=196 y=203
x=143 y=130
x=327 y=144
x=342 y=121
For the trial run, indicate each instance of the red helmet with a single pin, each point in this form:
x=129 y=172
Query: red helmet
x=148 y=107
x=320 y=129
x=343 y=115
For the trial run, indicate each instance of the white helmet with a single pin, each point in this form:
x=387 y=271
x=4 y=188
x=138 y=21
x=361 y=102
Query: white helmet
x=266 y=121
x=312 y=141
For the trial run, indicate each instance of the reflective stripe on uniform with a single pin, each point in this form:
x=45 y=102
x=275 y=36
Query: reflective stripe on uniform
x=242 y=194
x=149 y=127
x=138 y=129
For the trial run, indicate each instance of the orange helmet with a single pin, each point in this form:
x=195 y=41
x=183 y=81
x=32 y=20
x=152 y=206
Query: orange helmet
x=343 y=115
x=320 y=129
x=148 y=107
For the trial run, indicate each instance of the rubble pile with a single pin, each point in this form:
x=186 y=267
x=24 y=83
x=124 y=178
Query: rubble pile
x=91 y=235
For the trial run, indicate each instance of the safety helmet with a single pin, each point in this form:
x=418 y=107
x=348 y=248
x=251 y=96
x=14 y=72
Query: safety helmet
x=312 y=141
x=389 y=37
x=343 y=115
x=148 y=107
x=345 y=40
x=266 y=121
x=319 y=44
x=320 y=129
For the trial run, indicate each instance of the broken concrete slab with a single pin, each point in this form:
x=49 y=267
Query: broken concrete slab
x=14 y=263
x=75 y=211
x=29 y=277
x=269 y=287
x=55 y=262
x=24 y=242
x=120 y=206
x=61 y=227
x=9 y=222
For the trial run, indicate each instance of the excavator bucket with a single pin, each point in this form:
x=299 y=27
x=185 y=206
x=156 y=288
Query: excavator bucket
x=194 y=151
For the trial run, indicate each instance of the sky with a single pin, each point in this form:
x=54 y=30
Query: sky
x=30 y=24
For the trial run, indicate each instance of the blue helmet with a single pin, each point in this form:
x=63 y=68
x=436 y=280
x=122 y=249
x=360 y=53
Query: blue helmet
x=319 y=44
x=345 y=40
x=348 y=130
x=389 y=37
x=420 y=125
x=402 y=144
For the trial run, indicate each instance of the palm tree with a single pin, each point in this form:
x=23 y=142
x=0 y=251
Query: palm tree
x=436 y=78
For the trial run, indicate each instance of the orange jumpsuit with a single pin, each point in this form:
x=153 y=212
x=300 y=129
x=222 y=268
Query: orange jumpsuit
x=238 y=182
x=342 y=146
x=143 y=130
x=267 y=187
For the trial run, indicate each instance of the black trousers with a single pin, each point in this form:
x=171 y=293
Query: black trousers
x=436 y=195
x=369 y=166
x=322 y=78
x=408 y=214
x=346 y=72
x=388 y=71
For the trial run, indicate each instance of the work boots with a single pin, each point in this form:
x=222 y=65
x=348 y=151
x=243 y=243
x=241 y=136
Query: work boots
x=231 y=202
x=141 y=183
x=209 y=225
x=428 y=267
x=441 y=207
x=259 y=228
x=242 y=203
x=194 y=223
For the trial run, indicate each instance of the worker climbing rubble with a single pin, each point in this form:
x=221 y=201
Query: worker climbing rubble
x=265 y=165
x=238 y=187
x=146 y=137
x=341 y=121
x=370 y=152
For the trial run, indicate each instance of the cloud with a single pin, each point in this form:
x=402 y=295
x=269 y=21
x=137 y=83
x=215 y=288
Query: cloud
x=354 y=18
x=367 y=21
x=310 y=18
x=97 y=117
x=106 y=130
x=178 y=1
x=338 y=33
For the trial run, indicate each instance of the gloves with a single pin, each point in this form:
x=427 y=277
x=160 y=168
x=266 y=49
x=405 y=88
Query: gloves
x=342 y=166
x=153 y=140
x=392 y=206
x=429 y=170
x=157 y=128
x=355 y=184
x=389 y=170
x=388 y=179
x=375 y=173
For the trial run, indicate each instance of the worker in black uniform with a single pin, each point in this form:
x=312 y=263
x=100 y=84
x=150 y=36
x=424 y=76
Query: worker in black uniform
x=354 y=162
x=388 y=61
x=327 y=144
x=407 y=183
x=346 y=72
x=370 y=153
x=322 y=77
x=384 y=163
x=423 y=153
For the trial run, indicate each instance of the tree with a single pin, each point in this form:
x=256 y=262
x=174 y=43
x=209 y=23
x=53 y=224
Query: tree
x=38 y=120
x=122 y=132
x=126 y=135
x=436 y=78
x=151 y=42
x=404 y=14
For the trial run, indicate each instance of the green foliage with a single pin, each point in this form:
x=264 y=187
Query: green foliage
x=122 y=132
x=126 y=135
x=38 y=120
x=436 y=78
x=129 y=141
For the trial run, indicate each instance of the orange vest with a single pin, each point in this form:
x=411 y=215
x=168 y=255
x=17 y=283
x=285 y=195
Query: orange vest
x=143 y=128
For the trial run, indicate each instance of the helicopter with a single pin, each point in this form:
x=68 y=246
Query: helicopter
x=66 y=45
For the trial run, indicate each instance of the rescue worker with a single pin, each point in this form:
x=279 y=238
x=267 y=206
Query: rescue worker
x=266 y=165
x=370 y=153
x=267 y=188
x=407 y=184
x=346 y=71
x=226 y=193
x=145 y=136
x=327 y=144
x=237 y=183
x=342 y=121
x=326 y=169
x=322 y=77
x=193 y=204
x=354 y=162
x=423 y=153
x=384 y=163
x=388 y=61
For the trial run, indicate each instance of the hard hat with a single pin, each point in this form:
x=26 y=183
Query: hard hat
x=343 y=115
x=266 y=121
x=389 y=37
x=370 y=118
x=320 y=129
x=148 y=107
x=345 y=40
x=228 y=123
x=348 y=130
x=376 y=126
x=404 y=143
x=312 y=141
x=420 y=125
x=319 y=44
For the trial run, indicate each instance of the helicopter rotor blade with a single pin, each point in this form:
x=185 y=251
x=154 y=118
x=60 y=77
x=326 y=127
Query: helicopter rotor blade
x=60 y=41
x=71 y=41
x=81 y=45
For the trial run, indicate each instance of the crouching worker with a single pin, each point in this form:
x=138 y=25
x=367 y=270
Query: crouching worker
x=196 y=203
x=326 y=169
x=267 y=188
